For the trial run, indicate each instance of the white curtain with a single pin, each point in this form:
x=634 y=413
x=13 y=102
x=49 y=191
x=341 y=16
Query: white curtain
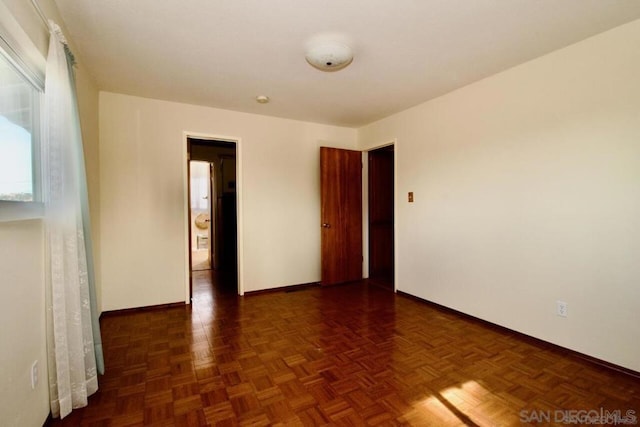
x=71 y=335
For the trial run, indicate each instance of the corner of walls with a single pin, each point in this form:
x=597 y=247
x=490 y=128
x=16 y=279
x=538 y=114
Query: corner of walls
x=526 y=192
x=142 y=196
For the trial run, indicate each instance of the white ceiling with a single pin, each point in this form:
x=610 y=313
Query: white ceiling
x=223 y=53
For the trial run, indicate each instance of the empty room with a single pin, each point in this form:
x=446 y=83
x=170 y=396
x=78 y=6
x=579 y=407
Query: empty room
x=319 y=213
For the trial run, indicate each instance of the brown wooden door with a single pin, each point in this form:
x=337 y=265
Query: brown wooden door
x=341 y=215
x=381 y=264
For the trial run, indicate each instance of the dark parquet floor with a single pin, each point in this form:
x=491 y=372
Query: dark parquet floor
x=347 y=355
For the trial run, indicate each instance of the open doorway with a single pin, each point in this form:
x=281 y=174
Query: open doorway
x=213 y=224
x=381 y=216
x=201 y=193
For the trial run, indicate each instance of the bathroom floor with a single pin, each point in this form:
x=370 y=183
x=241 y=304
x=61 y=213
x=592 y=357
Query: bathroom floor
x=200 y=260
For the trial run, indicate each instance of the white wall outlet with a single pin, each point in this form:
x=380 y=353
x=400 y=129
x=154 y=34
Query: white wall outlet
x=561 y=308
x=34 y=374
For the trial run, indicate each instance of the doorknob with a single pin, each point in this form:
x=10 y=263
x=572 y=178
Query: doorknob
x=326 y=225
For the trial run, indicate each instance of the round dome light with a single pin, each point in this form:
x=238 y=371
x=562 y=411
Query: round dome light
x=329 y=56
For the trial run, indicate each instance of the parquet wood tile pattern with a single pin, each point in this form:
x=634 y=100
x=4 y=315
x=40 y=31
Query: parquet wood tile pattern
x=348 y=355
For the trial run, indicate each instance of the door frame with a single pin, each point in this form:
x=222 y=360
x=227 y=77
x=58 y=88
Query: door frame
x=185 y=205
x=365 y=209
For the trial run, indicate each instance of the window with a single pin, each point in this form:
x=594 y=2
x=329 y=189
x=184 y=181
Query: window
x=19 y=124
x=22 y=68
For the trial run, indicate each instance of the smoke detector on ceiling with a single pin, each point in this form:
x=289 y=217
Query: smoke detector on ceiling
x=329 y=56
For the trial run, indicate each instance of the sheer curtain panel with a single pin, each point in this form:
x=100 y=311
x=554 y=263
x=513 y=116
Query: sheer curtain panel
x=73 y=335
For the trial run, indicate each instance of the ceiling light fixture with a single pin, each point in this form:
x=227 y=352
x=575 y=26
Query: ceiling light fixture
x=261 y=99
x=329 y=56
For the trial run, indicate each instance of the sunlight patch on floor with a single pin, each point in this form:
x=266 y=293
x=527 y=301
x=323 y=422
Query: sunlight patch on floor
x=468 y=404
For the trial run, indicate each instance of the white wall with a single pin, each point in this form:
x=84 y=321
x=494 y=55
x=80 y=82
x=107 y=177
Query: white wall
x=527 y=191
x=22 y=316
x=22 y=295
x=142 y=172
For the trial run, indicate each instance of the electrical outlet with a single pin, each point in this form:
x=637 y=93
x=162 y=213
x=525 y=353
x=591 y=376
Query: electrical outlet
x=561 y=308
x=34 y=374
